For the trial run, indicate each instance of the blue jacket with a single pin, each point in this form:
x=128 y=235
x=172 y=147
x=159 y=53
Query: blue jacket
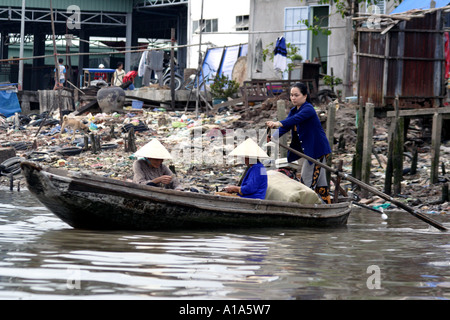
x=254 y=184
x=309 y=129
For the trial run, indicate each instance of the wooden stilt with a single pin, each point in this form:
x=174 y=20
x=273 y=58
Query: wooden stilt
x=391 y=139
x=331 y=122
x=435 y=146
x=357 y=160
x=367 y=145
x=281 y=115
x=414 y=160
x=397 y=156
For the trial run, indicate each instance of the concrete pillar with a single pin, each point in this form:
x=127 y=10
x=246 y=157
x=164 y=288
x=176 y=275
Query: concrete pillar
x=4 y=48
x=38 y=73
x=128 y=42
x=83 y=60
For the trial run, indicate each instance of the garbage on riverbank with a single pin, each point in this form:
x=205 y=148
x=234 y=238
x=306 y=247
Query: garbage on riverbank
x=200 y=145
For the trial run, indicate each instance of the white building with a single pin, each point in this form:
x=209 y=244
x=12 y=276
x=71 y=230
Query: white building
x=233 y=22
x=225 y=24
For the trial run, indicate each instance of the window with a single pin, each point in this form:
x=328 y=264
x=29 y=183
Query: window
x=208 y=25
x=242 y=23
x=379 y=6
x=293 y=17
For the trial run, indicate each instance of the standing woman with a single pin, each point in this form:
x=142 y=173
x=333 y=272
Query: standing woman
x=308 y=137
x=117 y=78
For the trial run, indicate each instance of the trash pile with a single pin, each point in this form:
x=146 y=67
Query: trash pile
x=100 y=149
x=103 y=144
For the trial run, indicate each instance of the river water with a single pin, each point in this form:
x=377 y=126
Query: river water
x=41 y=257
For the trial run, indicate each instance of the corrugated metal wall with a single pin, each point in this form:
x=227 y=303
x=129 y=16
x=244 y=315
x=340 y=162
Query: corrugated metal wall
x=371 y=68
x=412 y=68
x=123 y=6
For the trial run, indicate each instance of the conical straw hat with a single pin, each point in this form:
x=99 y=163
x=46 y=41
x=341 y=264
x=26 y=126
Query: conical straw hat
x=154 y=149
x=249 y=148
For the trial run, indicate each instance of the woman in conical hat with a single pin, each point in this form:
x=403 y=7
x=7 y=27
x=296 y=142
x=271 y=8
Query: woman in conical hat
x=150 y=170
x=254 y=184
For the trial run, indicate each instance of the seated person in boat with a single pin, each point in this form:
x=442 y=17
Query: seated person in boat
x=254 y=184
x=150 y=170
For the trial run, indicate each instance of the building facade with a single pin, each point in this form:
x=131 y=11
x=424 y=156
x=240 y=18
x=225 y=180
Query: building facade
x=225 y=23
x=335 y=50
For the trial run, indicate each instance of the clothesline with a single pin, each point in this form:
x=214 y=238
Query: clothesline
x=153 y=49
x=264 y=32
x=103 y=53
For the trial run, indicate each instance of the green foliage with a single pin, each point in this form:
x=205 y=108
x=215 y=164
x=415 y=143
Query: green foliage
x=297 y=57
x=315 y=28
x=331 y=80
x=343 y=7
x=223 y=87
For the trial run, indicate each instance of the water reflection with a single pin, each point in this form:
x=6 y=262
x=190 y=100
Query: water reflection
x=43 y=258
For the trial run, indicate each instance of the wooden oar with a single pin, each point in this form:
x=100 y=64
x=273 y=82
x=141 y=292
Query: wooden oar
x=363 y=185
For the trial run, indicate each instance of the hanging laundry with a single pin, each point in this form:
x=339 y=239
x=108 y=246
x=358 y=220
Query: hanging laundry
x=280 y=57
x=155 y=65
x=142 y=64
x=259 y=56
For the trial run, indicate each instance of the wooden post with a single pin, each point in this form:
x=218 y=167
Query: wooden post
x=341 y=143
x=414 y=161
x=435 y=146
x=98 y=141
x=331 y=122
x=357 y=159
x=400 y=53
x=338 y=183
x=388 y=173
x=391 y=136
x=397 y=156
x=348 y=83
x=386 y=66
x=93 y=143
x=367 y=145
x=86 y=143
x=172 y=68
x=439 y=67
x=445 y=195
x=281 y=115
x=111 y=132
x=131 y=141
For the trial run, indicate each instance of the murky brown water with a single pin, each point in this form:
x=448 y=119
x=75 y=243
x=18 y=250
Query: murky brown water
x=43 y=258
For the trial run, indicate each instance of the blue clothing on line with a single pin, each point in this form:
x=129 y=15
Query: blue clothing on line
x=254 y=184
x=309 y=129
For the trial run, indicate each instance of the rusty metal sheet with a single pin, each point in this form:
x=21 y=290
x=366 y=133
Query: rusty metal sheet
x=410 y=67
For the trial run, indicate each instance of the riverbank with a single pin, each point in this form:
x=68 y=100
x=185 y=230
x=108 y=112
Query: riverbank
x=200 y=145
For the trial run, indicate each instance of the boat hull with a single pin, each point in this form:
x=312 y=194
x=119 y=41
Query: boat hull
x=98 y=203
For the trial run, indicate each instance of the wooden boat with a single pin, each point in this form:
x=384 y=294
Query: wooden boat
x=94 y=202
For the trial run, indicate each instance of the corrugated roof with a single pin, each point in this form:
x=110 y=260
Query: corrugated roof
x=407 y=5
x=122 y=6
